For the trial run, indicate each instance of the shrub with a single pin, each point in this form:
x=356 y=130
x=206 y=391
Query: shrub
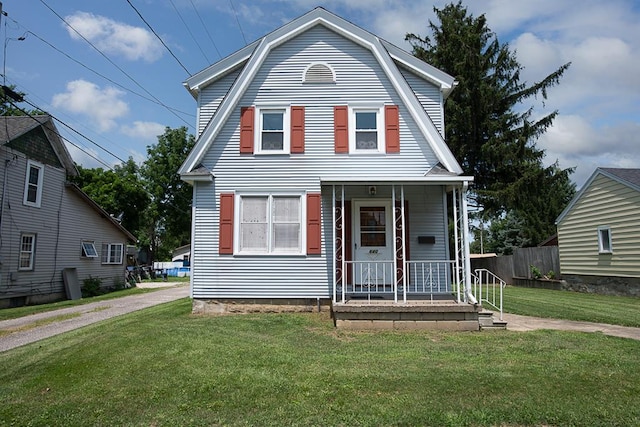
x=92 y=287
x=535 y=272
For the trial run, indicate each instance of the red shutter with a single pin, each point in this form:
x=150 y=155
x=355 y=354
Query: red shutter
x=297 y=130
x=392 y=128
x=246 y=129
x=314 y=229
x=225 y=246
x=341 y=129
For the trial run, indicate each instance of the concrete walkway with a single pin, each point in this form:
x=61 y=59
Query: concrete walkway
x=25 y=330
x=527 y=323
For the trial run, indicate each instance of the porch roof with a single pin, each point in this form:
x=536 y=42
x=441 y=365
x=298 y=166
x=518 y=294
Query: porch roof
x=406 y=180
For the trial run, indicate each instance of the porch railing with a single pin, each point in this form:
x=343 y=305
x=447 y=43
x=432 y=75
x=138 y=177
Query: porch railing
x=488 y=288
x=378 y=279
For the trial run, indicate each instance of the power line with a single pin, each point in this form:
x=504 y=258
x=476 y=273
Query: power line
x=115 y=65
x=205 y=28
x=103 y=76
x=189 y=31
x=158 y=37
x=238 y=21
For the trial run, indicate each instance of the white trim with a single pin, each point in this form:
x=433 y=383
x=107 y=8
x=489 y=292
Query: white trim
x=602 y=249
x=31 y=252
x=237 y=249
x=286 y=128
x=380 y=128
x=31 y=164
x=106 y=254
x=88 y=251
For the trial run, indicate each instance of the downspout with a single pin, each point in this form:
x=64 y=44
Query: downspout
x=465 y=244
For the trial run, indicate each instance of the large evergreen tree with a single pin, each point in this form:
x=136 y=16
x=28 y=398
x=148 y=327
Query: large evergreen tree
x=489 y=130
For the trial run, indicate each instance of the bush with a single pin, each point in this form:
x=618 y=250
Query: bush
x=92 y=287
x=535 y=272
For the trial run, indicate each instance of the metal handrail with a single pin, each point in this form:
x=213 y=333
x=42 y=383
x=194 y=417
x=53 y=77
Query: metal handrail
x=485 y=285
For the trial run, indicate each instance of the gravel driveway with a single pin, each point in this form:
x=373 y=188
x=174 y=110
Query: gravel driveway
x=25 y=332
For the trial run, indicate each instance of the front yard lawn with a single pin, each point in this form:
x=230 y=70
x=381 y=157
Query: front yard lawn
x=614 y=310
x=165 y=367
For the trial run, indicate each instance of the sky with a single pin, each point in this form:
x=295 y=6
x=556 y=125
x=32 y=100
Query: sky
x=112 y=72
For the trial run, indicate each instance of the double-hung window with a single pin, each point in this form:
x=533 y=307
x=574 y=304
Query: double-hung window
x=33 y=184
x=27 y=251
x=273 y=136
x=604 y=240
x=366 y=127
x=112 y=253
x=270 y=224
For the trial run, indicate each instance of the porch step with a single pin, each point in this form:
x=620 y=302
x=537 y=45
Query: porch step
x=487 y=322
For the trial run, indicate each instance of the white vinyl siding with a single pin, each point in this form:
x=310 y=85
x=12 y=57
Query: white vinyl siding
x=359 y=81
x=605 y=202
x=429 y=96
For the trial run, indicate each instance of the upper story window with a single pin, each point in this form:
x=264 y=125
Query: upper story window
x=366 y=130
x=273 y=131
x=33 y=184
x=604 y=240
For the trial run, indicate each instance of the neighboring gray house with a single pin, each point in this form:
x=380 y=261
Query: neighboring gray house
x=321 y=172
x=47 y=224
x=599 y=234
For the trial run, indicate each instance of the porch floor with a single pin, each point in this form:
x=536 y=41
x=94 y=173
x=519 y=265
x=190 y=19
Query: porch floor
x=443 y=313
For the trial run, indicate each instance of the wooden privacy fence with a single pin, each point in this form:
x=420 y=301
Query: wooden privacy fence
x=544 y=258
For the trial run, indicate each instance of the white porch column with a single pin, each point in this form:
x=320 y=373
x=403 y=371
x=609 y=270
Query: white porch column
x=456 y=225
x=405 y=237
x=342 y=244
x=333 y=251
x=465 y=246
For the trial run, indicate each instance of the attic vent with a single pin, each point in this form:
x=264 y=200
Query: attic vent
x=319 y=73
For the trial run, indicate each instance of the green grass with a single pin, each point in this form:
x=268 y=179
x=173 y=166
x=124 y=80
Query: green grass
x=569 y=305
x=12 y=313
x=165 y=367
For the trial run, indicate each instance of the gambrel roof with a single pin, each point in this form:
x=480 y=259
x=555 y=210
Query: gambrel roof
x=625 y=176
x=251 y=57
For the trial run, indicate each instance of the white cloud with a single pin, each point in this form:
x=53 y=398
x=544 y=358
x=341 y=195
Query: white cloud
x=143 y=130
x=101 y=106
x=115 y=37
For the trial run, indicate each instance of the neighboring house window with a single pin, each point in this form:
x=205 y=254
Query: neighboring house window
x=604 y=240
x=27 y=251
x=112 y=253
x=270 y=224
x=89 y=250
x=33 y=184
x=272 y=130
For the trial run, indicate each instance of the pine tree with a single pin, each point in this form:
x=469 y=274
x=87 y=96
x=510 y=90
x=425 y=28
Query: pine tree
x=487 y=130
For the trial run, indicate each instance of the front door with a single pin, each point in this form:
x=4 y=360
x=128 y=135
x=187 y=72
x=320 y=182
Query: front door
x=373 y=243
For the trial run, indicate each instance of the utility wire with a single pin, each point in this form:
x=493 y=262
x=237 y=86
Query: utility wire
x=102 y=75
x=159 y=38
x=205 y=28
x=238 y=21
x=76 y=132
x=115 y=65
x=189 y=31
